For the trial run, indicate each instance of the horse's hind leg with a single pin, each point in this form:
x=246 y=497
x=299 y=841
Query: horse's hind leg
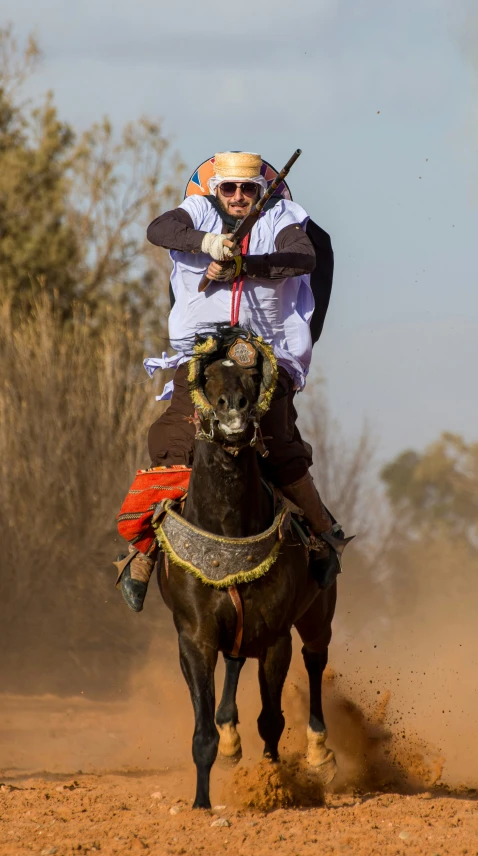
x=272 y=674
x=319 y=755
x=198 y=663
x=315 y=630
x=227 y=714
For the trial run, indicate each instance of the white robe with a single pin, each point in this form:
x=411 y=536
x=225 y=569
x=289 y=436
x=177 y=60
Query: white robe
x=279 y=310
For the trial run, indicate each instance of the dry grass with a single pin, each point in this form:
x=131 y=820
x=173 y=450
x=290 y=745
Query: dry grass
x=75 y=407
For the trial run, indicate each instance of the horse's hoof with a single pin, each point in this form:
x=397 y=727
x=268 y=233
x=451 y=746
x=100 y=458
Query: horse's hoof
x=205 y=804
x=229 y=741
x=326 y=771
x=273 y=758
x=228 y=762
x=320 y=757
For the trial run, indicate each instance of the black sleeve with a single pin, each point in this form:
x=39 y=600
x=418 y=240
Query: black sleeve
x=294 y=255
x=175 y=230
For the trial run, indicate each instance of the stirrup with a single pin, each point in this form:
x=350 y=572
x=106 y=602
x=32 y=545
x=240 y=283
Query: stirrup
x=326 y=568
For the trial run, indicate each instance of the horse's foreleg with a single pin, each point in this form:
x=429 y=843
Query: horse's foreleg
x=319 y=755
x=272 y=674
x=227 y=714
x=198 y=662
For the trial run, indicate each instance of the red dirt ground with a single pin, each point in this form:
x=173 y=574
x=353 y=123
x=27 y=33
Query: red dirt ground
x=80 y=776
x=118 y=814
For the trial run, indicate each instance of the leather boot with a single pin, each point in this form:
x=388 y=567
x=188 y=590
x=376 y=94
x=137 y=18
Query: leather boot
x=135 y=572
x=305 y=494
x=330 y=541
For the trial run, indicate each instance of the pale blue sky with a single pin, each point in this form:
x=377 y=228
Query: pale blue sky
x=396 y=189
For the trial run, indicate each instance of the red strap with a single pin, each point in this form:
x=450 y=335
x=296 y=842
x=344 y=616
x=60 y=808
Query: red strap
x=238 y=285
x=236 y=599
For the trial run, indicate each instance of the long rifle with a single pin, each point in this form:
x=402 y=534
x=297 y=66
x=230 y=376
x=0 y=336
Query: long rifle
x=245 y=225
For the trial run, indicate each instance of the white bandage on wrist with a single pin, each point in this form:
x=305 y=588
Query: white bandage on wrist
x=213 y=245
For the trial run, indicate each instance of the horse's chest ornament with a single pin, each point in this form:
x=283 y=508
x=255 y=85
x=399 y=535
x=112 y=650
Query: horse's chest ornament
x=215 y=560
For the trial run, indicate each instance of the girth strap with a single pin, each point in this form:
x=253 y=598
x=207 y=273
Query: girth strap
x=236 y=599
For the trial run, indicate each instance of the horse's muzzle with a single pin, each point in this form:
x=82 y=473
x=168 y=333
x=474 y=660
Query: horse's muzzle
x=233 y=423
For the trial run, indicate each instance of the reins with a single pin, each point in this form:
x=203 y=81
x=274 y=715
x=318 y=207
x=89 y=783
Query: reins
x=238 y=285
x=257 y=439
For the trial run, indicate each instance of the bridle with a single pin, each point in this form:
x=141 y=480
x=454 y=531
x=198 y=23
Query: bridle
x=208 y=436
x=205 y=417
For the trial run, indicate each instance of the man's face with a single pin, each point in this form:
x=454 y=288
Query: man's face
x=240 y=202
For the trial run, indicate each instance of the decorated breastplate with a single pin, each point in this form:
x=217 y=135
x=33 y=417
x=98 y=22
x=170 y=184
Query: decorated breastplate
x=215 y=560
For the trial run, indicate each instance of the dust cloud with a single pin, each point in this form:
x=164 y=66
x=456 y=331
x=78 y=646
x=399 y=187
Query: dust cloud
x=398 y=715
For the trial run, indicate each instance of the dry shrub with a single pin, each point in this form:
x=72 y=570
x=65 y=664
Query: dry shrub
x=343 y=470
x=75 y=405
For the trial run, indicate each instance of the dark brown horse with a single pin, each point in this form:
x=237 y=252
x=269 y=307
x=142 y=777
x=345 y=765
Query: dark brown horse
x=226 y=497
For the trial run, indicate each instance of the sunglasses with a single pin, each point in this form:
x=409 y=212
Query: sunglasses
x=248 y=188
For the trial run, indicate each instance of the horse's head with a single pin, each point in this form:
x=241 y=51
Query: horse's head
x=232 y=378
x=232 y=392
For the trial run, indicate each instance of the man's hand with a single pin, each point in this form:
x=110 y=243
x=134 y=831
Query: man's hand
x=221 y=271
x=220 y=247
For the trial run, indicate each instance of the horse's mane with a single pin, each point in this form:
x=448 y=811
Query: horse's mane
x=224 y=334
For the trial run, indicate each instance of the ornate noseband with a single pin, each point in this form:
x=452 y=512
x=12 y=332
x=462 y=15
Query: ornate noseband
x=257 y=438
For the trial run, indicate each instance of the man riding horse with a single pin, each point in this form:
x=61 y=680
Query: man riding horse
x=268 y=279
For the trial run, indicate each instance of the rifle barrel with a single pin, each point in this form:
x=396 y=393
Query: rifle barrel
x=278 y=180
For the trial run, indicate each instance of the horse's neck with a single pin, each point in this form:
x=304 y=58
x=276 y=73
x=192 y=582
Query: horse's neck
x=225 y=494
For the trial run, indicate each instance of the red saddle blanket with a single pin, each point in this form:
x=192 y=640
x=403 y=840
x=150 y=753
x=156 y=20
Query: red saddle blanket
x=149 y=487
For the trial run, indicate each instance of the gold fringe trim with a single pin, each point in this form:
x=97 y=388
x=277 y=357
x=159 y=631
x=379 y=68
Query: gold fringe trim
x=200 y=401
x=205 y=347
x=265 y=398
x=201 y=404
x=232 y=579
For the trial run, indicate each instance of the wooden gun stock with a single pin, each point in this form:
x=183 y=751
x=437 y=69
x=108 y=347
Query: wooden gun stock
x=246 y=224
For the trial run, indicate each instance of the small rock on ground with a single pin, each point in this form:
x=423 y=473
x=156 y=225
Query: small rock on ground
x=221 y=821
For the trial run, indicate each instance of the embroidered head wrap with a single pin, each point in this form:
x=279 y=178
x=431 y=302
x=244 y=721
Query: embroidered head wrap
x=237 y=166
x=227 y=340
